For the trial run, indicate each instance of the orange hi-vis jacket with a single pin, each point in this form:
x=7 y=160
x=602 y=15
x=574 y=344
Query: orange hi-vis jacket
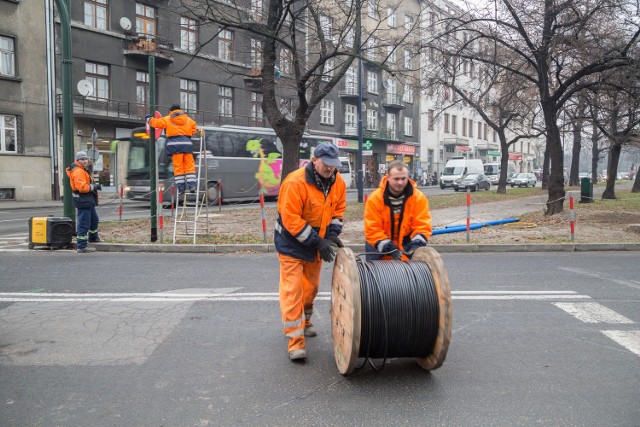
x=305 y=215
x=379 y=218
x=81 y=182
x=179 y=129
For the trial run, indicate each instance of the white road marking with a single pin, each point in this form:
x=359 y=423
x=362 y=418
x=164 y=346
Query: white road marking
x=592 y=312
x=177 y=296
x=628 y=339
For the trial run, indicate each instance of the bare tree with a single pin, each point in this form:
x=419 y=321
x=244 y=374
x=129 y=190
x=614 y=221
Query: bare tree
x=563 y=48
x=306 y=48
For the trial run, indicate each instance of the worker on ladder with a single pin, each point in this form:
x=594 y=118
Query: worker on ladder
x=179 y=129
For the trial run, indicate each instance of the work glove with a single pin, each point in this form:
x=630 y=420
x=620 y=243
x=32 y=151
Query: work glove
x=413 y=245
x=147 y=117
x=335 y=239
x=96 y=187
x=327 y=250
x=392 y=250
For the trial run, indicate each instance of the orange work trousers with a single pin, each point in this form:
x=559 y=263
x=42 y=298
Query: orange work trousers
x=183 y=164
x=299 y=282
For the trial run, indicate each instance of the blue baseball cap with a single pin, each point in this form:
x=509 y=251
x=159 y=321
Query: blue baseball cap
x=328 y=153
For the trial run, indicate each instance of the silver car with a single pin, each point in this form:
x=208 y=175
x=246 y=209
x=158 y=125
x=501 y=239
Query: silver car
x=523 y=180
x=472 y=181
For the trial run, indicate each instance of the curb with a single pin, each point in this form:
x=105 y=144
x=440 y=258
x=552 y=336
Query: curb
x=266 y=248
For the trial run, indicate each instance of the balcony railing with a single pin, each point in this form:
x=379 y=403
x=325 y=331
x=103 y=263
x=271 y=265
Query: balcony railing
x=350 y=129
x=350 y=90
x=135 y=112
x=386 y=134
x=392 y=100
x=149 y=45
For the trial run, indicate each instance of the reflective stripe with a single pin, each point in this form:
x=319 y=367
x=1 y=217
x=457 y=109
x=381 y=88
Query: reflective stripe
x=278 y=227
x=191 y=177
x=293 y=323
x=295 y=333
x=179 y=179
x=82 y=237
x=93 y=231
x=382 y=244
x=306 y=232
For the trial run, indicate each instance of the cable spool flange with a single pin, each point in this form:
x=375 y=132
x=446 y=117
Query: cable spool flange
x=346 y=309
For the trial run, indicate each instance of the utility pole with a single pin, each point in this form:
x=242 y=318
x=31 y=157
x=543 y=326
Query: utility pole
x=67 y=105
x=359 y=173
x=153 y=196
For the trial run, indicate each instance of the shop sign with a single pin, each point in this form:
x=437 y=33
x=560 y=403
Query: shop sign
x=406 y=159
x=367 y=152
x=347 y=144
x=390 y=157
x=515 y=156
x=401 y=149
x=493 y=153
x=462 y=148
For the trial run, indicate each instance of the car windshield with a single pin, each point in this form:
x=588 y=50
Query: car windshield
x=522 y=175
x=471 y=176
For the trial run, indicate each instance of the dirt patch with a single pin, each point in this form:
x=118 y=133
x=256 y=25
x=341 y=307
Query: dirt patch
x=605 y=223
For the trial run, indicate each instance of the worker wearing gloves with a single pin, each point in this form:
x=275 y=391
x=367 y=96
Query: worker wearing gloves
x=311 y=207
x=85 y=199
x=396 y=216
x=179 y=129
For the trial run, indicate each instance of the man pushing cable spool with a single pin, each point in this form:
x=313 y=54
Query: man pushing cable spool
x=398 y=302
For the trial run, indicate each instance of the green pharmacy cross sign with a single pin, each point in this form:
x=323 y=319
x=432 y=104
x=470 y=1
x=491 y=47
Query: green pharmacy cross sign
x=367 y=145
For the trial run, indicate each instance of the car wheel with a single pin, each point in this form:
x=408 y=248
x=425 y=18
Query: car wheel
x=476 y=188
x=441 y=187
x=212 y=193
x=455 y=189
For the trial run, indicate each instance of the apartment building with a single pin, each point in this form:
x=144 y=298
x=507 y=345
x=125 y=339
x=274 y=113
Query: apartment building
x=26 y=128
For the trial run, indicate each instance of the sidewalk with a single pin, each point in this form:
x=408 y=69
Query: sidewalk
x=35 y=204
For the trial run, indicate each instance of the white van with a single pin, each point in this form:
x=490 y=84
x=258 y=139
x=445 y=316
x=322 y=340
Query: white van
x=458 y=167
x=492 y=171
x=345 y=171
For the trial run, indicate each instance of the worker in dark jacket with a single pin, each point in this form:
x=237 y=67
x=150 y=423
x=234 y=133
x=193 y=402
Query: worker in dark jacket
x=85 y=198
x=179 y=130
x=311 y=207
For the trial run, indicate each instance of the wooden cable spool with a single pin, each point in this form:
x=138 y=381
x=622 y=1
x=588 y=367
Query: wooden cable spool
x=346 y=309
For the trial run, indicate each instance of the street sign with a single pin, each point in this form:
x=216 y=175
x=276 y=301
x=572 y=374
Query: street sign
x=367 y=152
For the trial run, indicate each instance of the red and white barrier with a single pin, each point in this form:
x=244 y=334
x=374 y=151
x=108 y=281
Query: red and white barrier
x=121 y=195
x=468 y=214
x=264 y=217
x=572 y=218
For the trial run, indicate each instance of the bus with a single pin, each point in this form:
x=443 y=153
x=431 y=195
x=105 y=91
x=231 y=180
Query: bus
x=238 y=158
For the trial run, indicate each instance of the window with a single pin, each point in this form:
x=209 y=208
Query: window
x=392 y=125
x=391 y=54
x=371 y=48
x=98 y=75
x=8 y=134
x=225 y=101
x=372 y=9
x=430 y=120
x=256 y=109
x=256 y=10
x=486 y=128
x=408 y=126
x=95 y=14
x=327 y=72
x=372 y=82
x=479 y=130
x=408 y=23
x=142 y=87
x=446 y=123
x=189 y=95
x=256 y=53
x=145 y=20
x=326 y=25
x=454 y=124
x=407 y=96
x=349 y=38
x=464 y=126
x=350 y=118
x=285 y=61
x=392 y=90
x=188 y=34
x=350 y=82
x=391 y=17
x=470 y=128
x=495 y=135
x=372 y=119
x=326 y=112
x=225 y=45
x=407 y=59
x=7 y=57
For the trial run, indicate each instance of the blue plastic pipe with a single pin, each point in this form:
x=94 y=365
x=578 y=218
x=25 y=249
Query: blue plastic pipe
x=474 y=226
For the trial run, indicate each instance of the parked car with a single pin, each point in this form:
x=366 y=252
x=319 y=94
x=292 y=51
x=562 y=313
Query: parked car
x=523 y=180
x=473 y=181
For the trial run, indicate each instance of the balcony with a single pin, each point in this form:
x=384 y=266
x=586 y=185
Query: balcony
x=349 y=90
x=393 y=101
x=350 y=129
x=145 y=45
x=252 y=79
x=386 y=134
x=132 y=112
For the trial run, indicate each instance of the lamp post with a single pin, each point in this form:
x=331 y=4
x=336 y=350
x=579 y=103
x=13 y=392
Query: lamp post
x=359 y=165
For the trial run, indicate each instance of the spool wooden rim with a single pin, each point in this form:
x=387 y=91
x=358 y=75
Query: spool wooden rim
x=345 y=311
x=433 y=259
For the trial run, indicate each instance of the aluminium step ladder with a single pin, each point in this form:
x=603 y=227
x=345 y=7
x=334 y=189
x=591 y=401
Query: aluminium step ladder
x=193 y=221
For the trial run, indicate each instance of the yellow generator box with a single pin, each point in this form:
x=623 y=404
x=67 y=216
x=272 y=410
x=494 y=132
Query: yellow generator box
x=53 y=232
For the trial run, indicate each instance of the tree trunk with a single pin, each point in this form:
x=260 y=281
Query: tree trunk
x=504 y=164
x=555 y=202
x=595 y=154
x=612 y=171
x=636 y=183
x=291 y=149
x=545 y=169
x=574 y=174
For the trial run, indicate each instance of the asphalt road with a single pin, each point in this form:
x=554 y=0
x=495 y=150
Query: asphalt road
x=538 y=339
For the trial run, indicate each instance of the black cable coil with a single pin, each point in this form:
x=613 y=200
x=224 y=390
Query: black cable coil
x=400 y=312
